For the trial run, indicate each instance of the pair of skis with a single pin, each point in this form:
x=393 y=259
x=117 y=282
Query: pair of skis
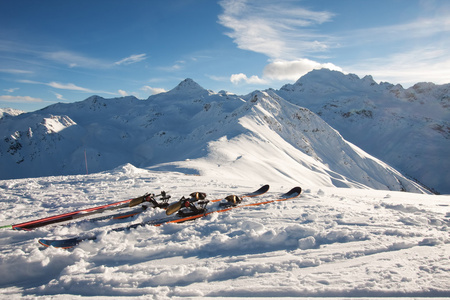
x=186 y=209
x=150 y=199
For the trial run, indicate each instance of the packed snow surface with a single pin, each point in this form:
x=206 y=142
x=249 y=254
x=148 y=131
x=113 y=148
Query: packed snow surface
x=341 y=242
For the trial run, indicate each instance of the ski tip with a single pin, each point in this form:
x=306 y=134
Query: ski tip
x=264 y=188
x=6 y=227
x=294 y=192
x=259 y=191
x=64 y=244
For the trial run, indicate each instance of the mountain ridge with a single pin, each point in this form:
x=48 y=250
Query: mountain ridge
x=407 y=128
x=191 y=128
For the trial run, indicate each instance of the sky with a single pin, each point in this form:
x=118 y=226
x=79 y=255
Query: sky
x=66 y=51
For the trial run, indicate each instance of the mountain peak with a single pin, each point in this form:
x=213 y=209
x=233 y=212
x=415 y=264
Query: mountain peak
x=188 y=85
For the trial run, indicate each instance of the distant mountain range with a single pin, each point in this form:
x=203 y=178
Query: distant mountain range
x=407 y=128
x=316 y=132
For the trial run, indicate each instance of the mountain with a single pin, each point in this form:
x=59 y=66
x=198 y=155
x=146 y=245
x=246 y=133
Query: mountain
x=193 y=130
x=406 y=128
x=8 y=112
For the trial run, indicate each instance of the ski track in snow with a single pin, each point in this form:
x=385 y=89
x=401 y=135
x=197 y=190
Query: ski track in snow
x=335 y=242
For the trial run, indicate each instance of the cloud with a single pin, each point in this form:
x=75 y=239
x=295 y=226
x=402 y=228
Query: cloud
x=19 y=99
x=59 y=96
x=278 y=30
x=293 y=70
x=66 y=86
x=178 y=65
x=424 y=64
x=131 y=59
x=283 y=70
x=237 y=78
x=153 y=91
x=122 y=93
x=11 y=90
x=73 y=60
x=15 y=71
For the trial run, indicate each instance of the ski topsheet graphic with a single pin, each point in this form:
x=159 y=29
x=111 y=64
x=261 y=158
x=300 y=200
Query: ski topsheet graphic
x=184 y=214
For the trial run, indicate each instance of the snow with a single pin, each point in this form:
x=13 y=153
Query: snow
x=196 y=131
x=9 y=112
x=329 y=242
x=361 y=228
x=407 y=128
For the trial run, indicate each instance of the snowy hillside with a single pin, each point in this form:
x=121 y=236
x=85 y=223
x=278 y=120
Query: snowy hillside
x=406 y=128
x=196 y=131
x=329 y=242
x=5 y=112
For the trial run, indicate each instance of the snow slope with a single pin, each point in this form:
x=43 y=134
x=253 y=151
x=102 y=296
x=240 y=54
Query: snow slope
x=330 y=242
x=406 y=128
x=5 y=112
x=193 y=130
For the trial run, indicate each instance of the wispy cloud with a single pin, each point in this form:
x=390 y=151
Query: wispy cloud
x=416 y=30
x=282 y=31
x=131 y=59
x=72 y=59
x=19 y=99
x=66 y=86
x=59 y=96
x=276 y=29
x=416 y=51
x=11 y=90
x=428 y=64
x=15 y=71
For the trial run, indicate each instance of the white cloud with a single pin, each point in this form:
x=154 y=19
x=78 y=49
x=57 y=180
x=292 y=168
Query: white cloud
x=59 y=96
x=15 y=71
x=276 y=29
x=11 y=90
x=132 y=59
x=19 y=99
x=72 y=59
x=294 y=69
x=122 y=93
x=152 y=90
x=237 y=78
x=283 y=70
x=66 y=86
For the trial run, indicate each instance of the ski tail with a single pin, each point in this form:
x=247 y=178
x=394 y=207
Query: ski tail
x=64 y=244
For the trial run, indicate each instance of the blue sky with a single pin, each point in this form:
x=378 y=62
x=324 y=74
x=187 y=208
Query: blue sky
x=65 y=51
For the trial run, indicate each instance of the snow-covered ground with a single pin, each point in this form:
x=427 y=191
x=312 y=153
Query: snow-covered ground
x=338 y=242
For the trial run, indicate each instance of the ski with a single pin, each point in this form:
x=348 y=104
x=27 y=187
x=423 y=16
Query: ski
x=83 y=213
x=200 y=196
x=72 y=242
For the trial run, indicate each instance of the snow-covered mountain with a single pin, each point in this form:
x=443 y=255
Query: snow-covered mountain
x=406 y=128
x=6 y=112
x=193 y=130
